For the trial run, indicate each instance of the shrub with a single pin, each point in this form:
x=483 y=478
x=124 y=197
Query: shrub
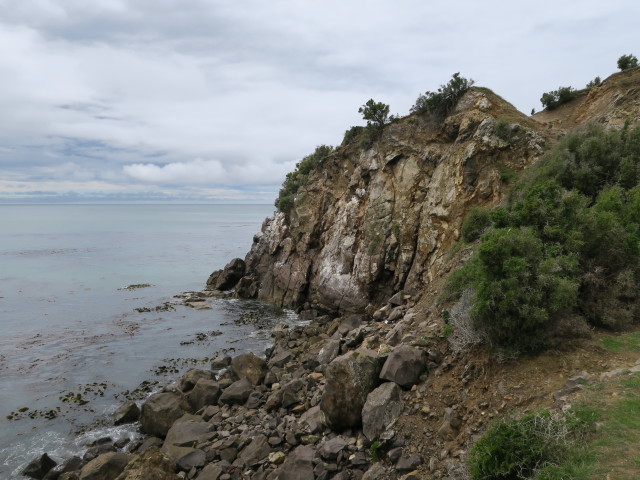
x=477 y=221
x=299 y=177
x=596 y=82
x=351 y=134
x=555 y=98
x=442 y=102
x=625 y=62
x=566 y=244
x=519 y=448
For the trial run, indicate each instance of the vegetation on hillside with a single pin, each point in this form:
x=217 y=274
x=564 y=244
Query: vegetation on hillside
x=299 y=177
x=566 y=244
x=625 y=62
x=442 y=102
x=555 y=98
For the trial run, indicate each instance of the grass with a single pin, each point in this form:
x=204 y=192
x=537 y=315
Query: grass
x=629 y=342
x=613 y=452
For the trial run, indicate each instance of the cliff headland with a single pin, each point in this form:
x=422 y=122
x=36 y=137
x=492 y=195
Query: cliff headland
x=453 y=269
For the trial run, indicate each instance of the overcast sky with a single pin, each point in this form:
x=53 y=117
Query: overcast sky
x=214 y=101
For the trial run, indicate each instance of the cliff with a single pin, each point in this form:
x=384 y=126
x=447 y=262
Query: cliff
x=374 y=222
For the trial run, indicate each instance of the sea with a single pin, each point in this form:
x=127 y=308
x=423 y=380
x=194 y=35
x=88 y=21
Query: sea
x=92 y=314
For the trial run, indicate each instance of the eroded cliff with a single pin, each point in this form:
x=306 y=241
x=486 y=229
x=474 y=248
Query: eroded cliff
x=372 y=222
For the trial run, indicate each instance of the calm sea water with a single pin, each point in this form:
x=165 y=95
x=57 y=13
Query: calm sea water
x=73 y=341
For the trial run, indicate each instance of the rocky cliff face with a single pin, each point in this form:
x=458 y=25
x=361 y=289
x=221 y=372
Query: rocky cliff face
x=374 y=222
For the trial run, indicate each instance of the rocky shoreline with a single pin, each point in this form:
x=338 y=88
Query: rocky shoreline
x=322 y=404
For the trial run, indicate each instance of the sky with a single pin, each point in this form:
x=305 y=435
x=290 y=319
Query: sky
x=207 y=101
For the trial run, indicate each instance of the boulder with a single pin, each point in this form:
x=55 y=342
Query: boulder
x=237 y=393
x=249 y=366
x=210 y=472
x=256 y=451
x=349 y=378
x=205 y=393
x=331 y=448
x=160 y=411
x=377 y=471
x=73 y=464
x=39 y=467
x=105 y=467
x=227 y=278
x=221 y=361
x=127 y=413
x=329 y=351
x=247 y=287
x=189 y=433
x=152 y=464
x=404 y=366
x=191 y=377
x=408 y=463
x=383 y=405
x=298 y=465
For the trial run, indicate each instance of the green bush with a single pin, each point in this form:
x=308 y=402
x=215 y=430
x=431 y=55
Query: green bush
x=532 y=446
x=351 y=134
x=503 y=130
x=555 y=98
x=625 y=62
x=477 y=221
x=567 y=241
x=596 y=82
x=442 y=102
x=299 y=177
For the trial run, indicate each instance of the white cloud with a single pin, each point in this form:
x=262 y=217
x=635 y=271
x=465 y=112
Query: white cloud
x=133 y=93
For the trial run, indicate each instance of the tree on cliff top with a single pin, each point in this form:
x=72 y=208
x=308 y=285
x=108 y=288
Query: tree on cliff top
x=625 y=62
x=375 y=113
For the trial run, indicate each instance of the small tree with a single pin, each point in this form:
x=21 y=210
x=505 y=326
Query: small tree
x=375 y=113
x=625 y=62
x=555 y=98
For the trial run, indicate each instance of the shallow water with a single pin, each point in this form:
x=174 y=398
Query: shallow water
x=73 y=341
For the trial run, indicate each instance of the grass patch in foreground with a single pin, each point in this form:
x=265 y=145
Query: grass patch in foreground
x=629 y=342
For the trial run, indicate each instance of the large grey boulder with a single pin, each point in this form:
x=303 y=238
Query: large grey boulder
x=160 y=411
x=249 y=366
x=227 y=278
x=189 y=433
x=206 y=392
x=237 y=393
x=404 y=366
x=105 y=467
x=192 y=376
x=350 y=378
x=383 y=405
x=298 y=465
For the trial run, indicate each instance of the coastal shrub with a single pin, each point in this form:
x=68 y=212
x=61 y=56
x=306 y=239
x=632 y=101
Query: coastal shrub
x=351 y=134
x=503 y=130
x=555 y=98
x=565 y=245
x=476 y=222
x=596 y=82
x=625 y=62
x=531 y=446
x=442 y=102
x=299 y=177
